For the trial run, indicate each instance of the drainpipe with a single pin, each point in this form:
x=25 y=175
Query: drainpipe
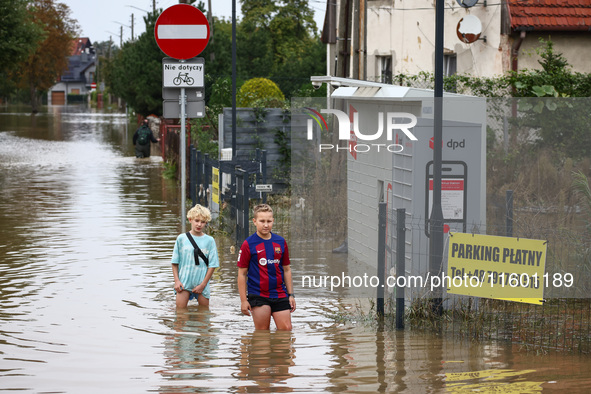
x=347 y=48
x=515 y=50
x=365 y=40
x=514 y=66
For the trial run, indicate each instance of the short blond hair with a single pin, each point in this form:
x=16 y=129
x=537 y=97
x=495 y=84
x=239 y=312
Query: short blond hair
x=261 y=208
x=199 y=211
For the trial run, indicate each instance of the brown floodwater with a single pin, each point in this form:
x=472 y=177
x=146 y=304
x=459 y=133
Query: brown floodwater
x=86 y=299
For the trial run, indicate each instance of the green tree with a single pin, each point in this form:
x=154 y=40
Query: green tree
x=135 y=73
x=19 y=34
x=19 y=37
x=554 y=79
x=560 y=119
x=279 y=40
x=254 y=42
x=42 y=68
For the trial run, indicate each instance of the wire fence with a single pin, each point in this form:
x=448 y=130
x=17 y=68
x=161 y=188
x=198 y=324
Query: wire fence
x=562 y=322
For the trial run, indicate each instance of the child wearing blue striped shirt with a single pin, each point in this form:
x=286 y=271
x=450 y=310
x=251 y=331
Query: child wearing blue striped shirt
x=194 y=259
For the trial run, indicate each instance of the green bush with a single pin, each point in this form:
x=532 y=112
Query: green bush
x=256 y=90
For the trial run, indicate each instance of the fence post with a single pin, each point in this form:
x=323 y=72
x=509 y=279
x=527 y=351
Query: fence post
x=509 y=209
x=206 y=175
x=241 y=205
x=245 y=206
x=382 y=222
x=199 y=173
x=263 y=169
x=257 y=158
x=193 y=175
x=239 y=175
x=400 y=264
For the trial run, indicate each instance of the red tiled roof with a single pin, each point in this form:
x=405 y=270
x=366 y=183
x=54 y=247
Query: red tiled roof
x=79 y=44
x=550 y=15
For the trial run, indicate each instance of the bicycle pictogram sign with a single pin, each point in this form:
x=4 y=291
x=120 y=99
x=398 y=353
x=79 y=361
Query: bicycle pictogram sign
x=183 y=78
x=185 y=74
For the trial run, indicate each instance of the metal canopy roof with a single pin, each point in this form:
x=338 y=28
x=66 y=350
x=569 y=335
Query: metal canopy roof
x=365 y=90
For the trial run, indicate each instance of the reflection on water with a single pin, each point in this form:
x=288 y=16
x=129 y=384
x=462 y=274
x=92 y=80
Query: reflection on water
x=266 y=358
x=86 y=235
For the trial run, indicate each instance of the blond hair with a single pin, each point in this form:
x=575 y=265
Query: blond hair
x=261 y=208
x=199 y=211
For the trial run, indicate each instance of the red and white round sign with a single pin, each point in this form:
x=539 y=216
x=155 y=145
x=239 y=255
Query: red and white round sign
x=182 y=31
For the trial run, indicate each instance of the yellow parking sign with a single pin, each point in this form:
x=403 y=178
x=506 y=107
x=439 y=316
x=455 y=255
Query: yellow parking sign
x=496 y=267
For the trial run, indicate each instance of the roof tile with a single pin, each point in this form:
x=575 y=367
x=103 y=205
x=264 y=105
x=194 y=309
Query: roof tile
x=548 y=15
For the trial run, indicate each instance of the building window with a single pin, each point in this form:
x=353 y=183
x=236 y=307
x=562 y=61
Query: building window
x=450 y=64
x=385 y=68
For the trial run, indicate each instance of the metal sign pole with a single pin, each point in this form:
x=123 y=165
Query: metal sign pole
x=183 y=153
x=173 y=28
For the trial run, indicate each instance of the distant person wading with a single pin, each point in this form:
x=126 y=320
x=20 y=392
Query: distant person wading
x=142 y=138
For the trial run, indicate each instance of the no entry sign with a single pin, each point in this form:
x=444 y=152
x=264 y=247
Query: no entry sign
x=182 y=31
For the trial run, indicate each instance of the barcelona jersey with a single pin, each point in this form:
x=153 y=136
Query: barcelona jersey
x=265 y=259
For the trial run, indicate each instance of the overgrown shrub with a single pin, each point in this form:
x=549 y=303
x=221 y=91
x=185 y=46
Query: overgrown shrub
x=258 y=92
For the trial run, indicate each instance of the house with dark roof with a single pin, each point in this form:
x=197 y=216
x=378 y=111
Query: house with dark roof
x=77 y=79
x=382 y=38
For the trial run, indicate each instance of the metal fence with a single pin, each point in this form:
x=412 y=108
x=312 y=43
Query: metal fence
x=234 y=187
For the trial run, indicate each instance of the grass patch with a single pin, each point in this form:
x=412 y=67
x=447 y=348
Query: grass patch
x=170 y=170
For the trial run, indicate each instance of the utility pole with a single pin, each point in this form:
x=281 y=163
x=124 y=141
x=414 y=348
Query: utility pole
x=234 y=146
x=436 y=219
x=132 y=27
x=120 y=36
x=210 y=19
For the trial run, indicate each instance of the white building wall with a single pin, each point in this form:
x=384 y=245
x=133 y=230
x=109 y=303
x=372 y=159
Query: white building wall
x=401 y=178
x=405 y=30
x=365 y=175
x=573 y=46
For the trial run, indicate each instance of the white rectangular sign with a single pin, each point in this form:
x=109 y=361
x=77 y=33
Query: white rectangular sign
x=452 y=198
x=182 y=74
x=264 y=188
x=172 y=109
x=179 y=32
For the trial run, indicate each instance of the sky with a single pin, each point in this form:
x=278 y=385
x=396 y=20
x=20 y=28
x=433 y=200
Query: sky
x=102 y=19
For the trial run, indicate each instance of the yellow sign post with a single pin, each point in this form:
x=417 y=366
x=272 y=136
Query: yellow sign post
x=497 y=267
x=215 y=185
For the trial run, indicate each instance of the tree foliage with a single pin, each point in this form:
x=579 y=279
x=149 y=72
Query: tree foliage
x=19 y=34
x=555 y=79
x=257 y=89
x=279 y=40
x=135 y=73
x=50 y=59
x=275 y=40
x=553 y=100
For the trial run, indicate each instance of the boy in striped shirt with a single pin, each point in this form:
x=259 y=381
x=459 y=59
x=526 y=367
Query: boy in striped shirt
x=264 y=275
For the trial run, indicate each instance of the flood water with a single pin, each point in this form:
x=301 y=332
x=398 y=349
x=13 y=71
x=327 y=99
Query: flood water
x=86 y=299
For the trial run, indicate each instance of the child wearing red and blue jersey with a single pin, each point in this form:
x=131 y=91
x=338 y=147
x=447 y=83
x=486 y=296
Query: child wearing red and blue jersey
x=264 y=275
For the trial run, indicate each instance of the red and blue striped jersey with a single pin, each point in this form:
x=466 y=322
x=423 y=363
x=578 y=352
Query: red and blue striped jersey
x=265 y=259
